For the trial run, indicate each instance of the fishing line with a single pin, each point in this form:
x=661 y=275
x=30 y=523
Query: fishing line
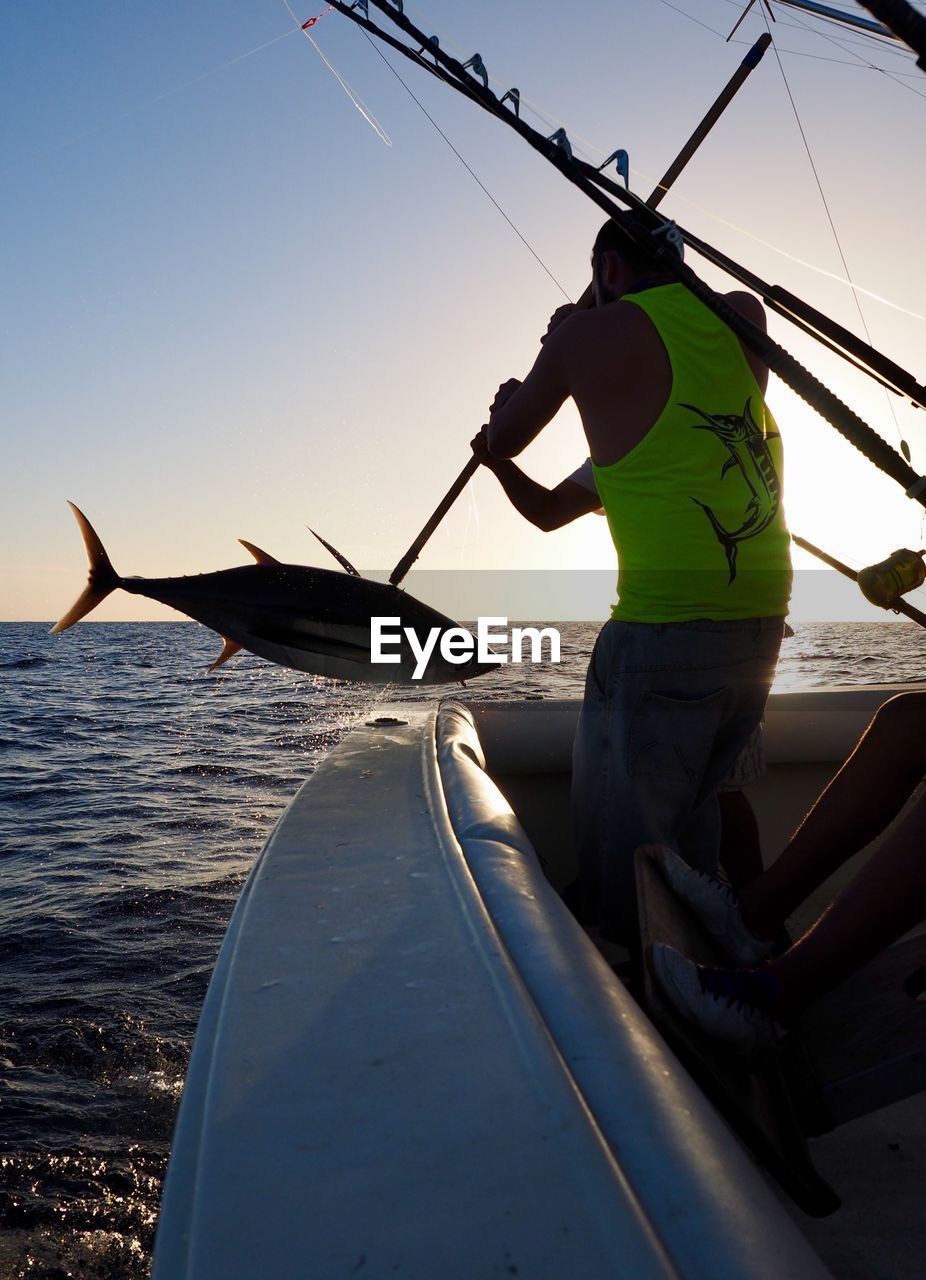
x=691 y=18
x=783 y=253
x=473 y=175
x=367 y=115
x=161 y=97
x=472 y=515
x=904 y=447
x=551 y=121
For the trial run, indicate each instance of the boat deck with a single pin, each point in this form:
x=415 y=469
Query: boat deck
x=875 y=1162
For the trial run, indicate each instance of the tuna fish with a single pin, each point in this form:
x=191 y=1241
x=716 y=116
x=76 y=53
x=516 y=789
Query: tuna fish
x=314 y=620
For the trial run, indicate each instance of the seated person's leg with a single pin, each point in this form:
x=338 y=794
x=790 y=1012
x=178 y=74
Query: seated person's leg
x=750 y=1010
x=883 y=902
x=863 y=798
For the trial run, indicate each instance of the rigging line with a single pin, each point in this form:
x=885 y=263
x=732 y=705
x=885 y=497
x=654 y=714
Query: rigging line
x=367 y=115
x=692 y=18
x=594 y=185
x=885 y=44
x=473 y=175
x=843 y=62
x=590 y=180
x=829 y=217
x=861 y=61
x=888 y=45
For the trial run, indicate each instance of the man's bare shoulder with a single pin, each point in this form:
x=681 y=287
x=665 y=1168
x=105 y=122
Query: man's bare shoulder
x=749 y=307
x=619 y=323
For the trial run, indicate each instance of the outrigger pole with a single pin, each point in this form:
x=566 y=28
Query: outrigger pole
x=713 y=114
x=556 y=149
x=726 y=96
x=841 y=341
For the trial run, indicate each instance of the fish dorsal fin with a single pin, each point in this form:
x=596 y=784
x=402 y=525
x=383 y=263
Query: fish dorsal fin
x=229 y=649
x=342 y=560
x=262 y=557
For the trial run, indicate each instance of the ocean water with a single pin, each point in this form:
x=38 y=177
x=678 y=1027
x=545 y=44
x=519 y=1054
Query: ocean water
x=135 y=793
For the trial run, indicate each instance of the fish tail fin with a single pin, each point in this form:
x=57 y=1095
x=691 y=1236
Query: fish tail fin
x=102 y=578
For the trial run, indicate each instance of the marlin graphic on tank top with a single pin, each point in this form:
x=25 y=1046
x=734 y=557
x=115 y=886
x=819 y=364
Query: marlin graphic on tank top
x=748 y=448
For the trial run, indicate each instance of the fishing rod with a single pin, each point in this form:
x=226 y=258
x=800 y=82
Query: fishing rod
x=881 y=584
x=713 y=114
x=472 y=80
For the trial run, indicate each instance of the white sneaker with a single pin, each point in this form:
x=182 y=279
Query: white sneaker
x=715 y=905
x=728 y=1005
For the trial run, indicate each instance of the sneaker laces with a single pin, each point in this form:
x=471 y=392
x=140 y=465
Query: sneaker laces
x=749 y=992
x=719 y=882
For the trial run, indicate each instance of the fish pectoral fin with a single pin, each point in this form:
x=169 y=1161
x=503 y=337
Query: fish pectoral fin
x=342 y=560
x=229 y=649
x=730 y=462
x=262 y=557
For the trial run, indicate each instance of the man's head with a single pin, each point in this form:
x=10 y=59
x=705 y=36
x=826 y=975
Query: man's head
x=617 y=261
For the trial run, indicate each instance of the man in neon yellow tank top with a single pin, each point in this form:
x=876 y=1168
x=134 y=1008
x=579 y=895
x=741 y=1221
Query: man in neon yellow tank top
x=687 y=464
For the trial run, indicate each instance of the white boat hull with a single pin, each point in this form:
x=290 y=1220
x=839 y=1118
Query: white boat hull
x=412 y=1061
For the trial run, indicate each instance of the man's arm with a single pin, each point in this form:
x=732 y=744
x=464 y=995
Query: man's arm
x=548 y=509
x=521 y=410
x=750 y=308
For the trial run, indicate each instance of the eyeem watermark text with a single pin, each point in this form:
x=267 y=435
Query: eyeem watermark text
x=492 y=643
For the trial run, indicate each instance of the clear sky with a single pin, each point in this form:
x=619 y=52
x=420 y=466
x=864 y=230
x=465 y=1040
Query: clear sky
x=230 y=310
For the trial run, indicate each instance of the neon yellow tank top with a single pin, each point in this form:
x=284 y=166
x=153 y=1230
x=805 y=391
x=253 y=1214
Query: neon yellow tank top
x=695 y=507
